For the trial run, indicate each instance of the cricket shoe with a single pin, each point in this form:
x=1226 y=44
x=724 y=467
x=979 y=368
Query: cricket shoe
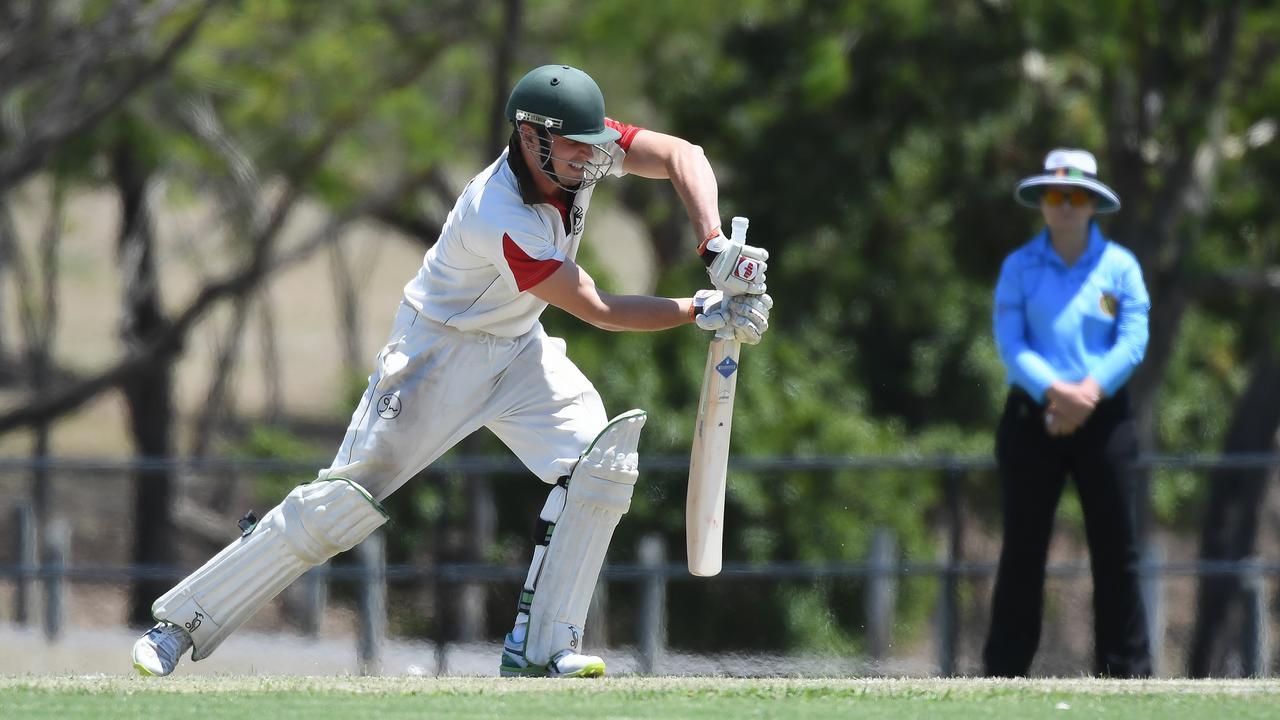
x=565 y=663
x=156 y=654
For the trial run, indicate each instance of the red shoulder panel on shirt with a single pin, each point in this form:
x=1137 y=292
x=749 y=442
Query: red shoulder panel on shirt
x=527 y=271
x=628 y=132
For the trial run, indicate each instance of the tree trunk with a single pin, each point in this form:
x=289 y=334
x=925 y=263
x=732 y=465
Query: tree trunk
x=272 y=372
x=217 y=406
x=480 y=533
x=1230 y=524
x=149 y=392
x=347 y=296
x=10 y=367
x=504 y=53
x=1160 y=226
x=474 y=531
x=4 y=266
x=40 y=350
x=37 y=311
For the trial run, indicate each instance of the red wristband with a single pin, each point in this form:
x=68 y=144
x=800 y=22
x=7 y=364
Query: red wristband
x=702 y=246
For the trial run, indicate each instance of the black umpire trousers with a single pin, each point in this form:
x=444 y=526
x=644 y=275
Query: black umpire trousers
x=1033 y=468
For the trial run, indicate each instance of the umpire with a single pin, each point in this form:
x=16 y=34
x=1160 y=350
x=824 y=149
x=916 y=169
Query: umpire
x=1070 y=322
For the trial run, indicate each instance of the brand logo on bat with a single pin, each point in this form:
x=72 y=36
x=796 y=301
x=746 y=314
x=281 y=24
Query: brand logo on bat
x=727 y=367
x=747 y=269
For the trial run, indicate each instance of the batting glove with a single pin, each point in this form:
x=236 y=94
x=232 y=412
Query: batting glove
x=709 y=311
x=748 y=315
x=734 y=268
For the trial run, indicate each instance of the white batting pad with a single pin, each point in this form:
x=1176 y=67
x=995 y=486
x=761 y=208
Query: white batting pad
x=314 y=522
x=599 y=495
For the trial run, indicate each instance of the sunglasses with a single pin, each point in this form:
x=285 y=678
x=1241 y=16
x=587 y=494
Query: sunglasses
x=1077 y=198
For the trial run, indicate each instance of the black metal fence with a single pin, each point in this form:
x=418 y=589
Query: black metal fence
x=40 y=566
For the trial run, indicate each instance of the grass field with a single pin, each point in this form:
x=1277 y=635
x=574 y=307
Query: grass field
x=281 y=698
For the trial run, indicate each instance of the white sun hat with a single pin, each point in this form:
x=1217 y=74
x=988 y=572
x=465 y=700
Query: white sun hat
x=1068 y=166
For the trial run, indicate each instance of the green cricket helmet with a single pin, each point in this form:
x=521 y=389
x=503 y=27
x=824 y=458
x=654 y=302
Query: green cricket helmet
x=563 y=100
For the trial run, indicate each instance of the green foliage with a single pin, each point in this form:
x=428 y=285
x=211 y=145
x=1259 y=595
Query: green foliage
x=873 y=145
x=269 y=443
x=875 y=148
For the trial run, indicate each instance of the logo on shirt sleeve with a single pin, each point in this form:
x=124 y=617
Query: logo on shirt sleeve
x=1110 y=304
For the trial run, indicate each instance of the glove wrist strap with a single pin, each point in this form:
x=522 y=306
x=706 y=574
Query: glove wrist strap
x=708 y=256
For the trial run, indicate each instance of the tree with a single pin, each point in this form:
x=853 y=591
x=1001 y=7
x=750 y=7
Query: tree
x=153 y=337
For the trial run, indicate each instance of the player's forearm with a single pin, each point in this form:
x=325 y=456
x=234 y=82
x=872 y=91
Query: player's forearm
x=639 y=312
x=695 y=182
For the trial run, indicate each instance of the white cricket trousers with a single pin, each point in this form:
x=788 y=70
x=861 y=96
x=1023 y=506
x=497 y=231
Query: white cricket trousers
x=434 y=385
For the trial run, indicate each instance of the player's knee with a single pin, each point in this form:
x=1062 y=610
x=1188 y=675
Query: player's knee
x=323 y=518
x=606 y=473
x=377 y=472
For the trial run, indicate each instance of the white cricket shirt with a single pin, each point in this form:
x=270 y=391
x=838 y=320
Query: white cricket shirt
x=501 y=238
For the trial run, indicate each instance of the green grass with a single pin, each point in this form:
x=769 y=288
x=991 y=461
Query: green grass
x=282 y=698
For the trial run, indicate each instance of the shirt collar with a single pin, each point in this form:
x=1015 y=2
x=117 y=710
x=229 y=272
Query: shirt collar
x=1094 y=246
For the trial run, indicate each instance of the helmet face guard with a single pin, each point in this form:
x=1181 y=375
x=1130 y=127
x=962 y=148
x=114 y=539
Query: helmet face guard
x=563 y=101
x=582 y=173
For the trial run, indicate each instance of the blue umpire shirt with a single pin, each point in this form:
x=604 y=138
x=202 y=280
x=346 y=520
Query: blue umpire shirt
x=1054 y=322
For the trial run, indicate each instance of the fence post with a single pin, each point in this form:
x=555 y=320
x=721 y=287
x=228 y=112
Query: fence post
x=438 y=584
x=652 y=622
x=596 y=626
x=1255 y=638
x=949 y=605
x=1151 y=577
x=26 y=542
x=315 y=598
x=57 y=548
x=881 y=590
x=373 y=602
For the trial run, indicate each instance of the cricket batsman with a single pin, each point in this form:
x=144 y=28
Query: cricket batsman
x=467 y=351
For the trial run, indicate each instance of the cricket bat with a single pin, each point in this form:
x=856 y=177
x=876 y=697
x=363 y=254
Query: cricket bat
x=709 y=460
